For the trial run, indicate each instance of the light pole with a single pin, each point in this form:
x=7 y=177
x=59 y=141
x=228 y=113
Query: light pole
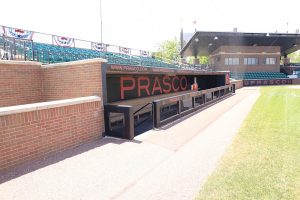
x=101 y=19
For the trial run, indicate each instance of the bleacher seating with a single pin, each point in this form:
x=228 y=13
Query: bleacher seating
x=48 y=53
x=257 y=75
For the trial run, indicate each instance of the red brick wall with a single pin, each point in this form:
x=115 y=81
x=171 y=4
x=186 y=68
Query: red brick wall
x=34 y=134
x=72 y=80
x=296 y=81
x=248 y=68
x=27 y=82
x=20 y=83
x=238 y=84
x=241 y=52
x=248 y=49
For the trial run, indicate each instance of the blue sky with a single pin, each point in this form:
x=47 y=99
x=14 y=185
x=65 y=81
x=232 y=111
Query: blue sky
x=143 y=24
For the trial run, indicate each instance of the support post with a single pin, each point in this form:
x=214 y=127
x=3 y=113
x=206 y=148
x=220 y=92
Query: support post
x=129 y=124
x=193 y=102
x=107 y=121
x=156 y=114
x=179 y=106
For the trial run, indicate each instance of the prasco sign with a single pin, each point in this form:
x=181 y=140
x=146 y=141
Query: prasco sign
x=129 y=87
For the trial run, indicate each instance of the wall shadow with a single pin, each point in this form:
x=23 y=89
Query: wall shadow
x=31 y=166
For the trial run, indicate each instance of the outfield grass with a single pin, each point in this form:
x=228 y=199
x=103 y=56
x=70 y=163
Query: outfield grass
x=264 y=160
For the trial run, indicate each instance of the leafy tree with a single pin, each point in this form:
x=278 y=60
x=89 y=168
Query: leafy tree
x=169 y=49
x=295 y=57
x=202 y=60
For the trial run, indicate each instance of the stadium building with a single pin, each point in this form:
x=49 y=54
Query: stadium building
x=246 y=55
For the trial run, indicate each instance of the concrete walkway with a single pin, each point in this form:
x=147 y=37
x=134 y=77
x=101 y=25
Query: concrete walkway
x=160 y=164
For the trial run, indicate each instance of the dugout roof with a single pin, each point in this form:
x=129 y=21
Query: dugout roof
x=203 y=43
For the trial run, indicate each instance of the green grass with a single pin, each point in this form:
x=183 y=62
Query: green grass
x=264 y=160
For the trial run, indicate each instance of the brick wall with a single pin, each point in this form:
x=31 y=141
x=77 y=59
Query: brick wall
x=248 y=68
x=72 y=80
x=238 y=84
x=27 y=82
x=33 y=131
x=47 y=127
x=241 y=52
x=296 y=81
x=20 y=83
x=247 y=49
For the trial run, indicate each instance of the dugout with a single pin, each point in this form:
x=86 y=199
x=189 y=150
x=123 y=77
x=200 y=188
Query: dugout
x=133 y=91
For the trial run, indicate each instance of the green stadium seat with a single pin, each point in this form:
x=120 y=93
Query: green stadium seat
x=257 y=75
x=53 y=54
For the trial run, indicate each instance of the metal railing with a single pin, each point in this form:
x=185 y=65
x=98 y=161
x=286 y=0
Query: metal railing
x=121 y=121
x=135 y=56
x=181 y=105
x=126 y=128
x=18 y=49
x=14 y=48
x=150 y=116
x=78 y=43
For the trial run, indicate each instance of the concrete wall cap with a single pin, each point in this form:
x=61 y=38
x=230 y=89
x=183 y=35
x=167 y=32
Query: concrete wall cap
x=17 y=62
x=46 y=105
x=75 y=63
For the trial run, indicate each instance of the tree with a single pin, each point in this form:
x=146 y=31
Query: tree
x=295 y=57
x=202 y=59
x=169 y=49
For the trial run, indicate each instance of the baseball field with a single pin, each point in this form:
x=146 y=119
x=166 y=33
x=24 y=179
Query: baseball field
x=263 y=161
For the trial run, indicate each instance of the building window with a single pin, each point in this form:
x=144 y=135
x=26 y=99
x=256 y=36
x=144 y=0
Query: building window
x=232 y=61
x=250 y=61
x=270 y=61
